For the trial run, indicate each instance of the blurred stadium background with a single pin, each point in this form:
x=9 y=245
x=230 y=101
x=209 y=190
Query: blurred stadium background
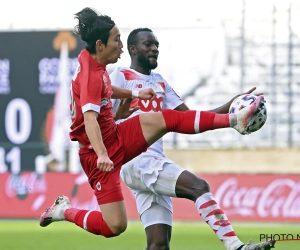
x=221 y=49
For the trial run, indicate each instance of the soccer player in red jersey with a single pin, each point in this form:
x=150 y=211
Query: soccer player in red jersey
x=106 y=146
x=151 y=176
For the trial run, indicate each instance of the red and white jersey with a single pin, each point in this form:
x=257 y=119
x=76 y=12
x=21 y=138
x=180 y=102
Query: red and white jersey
x=91 y=90
x=166 y=97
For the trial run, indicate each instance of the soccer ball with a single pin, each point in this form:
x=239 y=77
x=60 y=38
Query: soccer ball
x=245 y=100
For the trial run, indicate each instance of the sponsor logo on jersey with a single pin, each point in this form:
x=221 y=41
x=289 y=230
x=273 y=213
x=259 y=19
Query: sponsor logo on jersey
x=155 y=105
x=104 y=102
x=139 y=86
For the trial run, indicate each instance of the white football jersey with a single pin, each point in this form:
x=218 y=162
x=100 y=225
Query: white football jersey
x=166 y=97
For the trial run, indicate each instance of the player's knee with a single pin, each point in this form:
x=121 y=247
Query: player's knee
x=109 y=230
x=202 y=188
x=119 y=228
x=205 y=186
x=190 y=186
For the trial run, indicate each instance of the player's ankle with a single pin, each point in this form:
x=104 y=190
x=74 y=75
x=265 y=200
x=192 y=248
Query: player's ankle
x=232 y=120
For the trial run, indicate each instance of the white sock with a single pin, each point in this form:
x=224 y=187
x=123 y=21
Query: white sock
x=214 y=216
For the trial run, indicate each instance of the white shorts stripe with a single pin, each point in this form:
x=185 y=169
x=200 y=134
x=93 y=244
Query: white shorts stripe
x=197 y=122
x=85 y=219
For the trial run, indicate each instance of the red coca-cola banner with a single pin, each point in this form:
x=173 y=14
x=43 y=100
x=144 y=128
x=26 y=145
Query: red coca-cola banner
x=28 y=194
x=251 y=197
x=242 y=197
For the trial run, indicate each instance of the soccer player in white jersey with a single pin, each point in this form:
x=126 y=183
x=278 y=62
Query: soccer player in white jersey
x=151 y=176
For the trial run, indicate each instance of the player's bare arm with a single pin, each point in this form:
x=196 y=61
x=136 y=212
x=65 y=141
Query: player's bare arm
x=94 y=134
x=145 y=94
x=224 y=109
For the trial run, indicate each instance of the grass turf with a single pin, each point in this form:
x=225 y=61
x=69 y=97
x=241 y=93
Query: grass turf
x=28 y=235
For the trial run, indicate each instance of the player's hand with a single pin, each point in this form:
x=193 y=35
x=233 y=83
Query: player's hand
x=124 y=109
x=147 y=94
x=104 y=164
x=250 y=91
x=224 y=109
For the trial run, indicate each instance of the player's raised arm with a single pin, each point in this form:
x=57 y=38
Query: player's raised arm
x=224 y=109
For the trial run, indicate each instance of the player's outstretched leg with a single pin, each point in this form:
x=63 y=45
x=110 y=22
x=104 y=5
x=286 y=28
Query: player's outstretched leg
x=194 y=122
x=259 y=246
x=246 y=116
x=56 y=211
x=89 y=220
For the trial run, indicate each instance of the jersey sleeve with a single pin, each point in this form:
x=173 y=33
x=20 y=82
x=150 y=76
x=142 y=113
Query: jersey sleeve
x=90 y=93
x=172 y=100
x=117 y=78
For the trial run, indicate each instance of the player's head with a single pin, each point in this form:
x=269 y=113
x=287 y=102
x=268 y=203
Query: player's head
x=142 y=46
x=100 y=33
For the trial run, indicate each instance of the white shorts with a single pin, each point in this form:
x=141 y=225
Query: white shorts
x=156 y=214
x=152 y=178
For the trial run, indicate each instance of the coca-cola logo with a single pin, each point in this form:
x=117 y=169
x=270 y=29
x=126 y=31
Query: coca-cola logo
x=22 y=185
x=279 y=198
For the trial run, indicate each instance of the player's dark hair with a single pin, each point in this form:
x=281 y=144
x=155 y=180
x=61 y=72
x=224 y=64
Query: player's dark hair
x=92 y=27
x=132 y=38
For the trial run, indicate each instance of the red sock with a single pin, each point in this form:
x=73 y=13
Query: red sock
x=90 y=221
x=70 y=214
x=193 y=122
x=221 y=121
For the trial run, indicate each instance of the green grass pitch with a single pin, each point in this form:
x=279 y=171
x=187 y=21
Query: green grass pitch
x=28 y=235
